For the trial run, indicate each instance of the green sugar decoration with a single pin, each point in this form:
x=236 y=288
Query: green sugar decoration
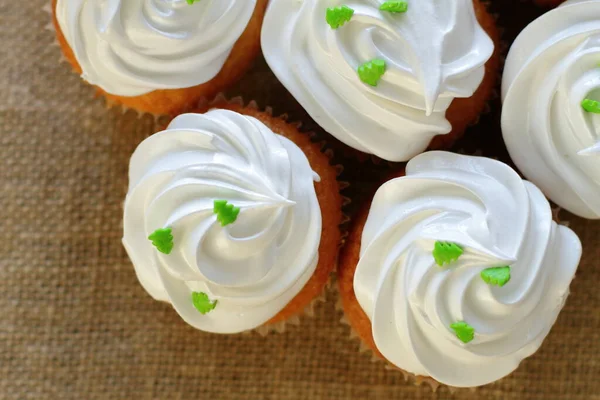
x=162 y=239
x=192 y=1
x=446 y=252
x=591 y=106
x=394 y=6
x=498 y=276
x=338 y=16
x=202 y=303
x=226 y=213
x=372 y=71
x=464 y=332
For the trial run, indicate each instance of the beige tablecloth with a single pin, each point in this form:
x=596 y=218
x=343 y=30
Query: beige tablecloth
x=75 y=323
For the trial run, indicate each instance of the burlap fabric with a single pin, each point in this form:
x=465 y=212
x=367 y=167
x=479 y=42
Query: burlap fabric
x=74 y=322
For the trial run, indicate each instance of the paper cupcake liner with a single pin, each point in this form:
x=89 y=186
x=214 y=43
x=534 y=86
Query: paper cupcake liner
x=309 y=310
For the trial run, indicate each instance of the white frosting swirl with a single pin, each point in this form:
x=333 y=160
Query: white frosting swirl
x=254 y=266
x=132 y=47
x=499 y=219
x=435 y=52
x=551 y=68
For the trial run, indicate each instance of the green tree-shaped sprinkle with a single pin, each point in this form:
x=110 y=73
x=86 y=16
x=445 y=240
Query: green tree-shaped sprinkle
x=394 y=6
x=202 y=303
x=496 y=276
x=372 y=71
x=226 y=213
x=192 y=1
x=338 y=16
x=591 y=106
x=162 y=239
x=446 y=252
x=464 y=332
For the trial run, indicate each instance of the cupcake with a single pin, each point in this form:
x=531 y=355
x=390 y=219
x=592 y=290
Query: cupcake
x=232 y=219
x=552 y=71
x=159 y=56
x=456 y=271
x=389 y=78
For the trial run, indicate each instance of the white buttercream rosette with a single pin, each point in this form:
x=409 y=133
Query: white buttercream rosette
x=252 y=267
x=497 y=219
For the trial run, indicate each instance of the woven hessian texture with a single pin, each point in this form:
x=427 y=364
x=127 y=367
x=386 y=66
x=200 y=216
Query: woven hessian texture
x=75 y=323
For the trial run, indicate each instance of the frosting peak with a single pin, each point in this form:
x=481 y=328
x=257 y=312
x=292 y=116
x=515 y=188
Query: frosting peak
x=243 y=213
x=552 y=72
x=132 y=47
x=435 y=52
x=459 y=323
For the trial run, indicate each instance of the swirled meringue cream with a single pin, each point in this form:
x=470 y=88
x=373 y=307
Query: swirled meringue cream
x=550 y=116
x=503 y=279
x=133 y=47
x=433 y=53
x=240 y=206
